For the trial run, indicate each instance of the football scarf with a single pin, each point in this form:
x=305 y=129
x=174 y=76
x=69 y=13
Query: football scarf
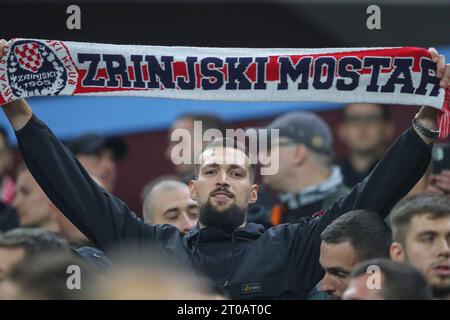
x=397 y=76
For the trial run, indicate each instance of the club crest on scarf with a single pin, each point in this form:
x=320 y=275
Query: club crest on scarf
x=35 y=68
x=29 y=56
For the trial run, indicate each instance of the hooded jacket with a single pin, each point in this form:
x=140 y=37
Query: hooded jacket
x=282 y=262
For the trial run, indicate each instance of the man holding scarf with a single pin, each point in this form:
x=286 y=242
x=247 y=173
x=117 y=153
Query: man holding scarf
x=282 y=262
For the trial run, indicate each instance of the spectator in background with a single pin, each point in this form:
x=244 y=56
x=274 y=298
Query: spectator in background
x=421 y=233
x=36 y=210
x=47 y=276
x=21 y=244
x=186 y=122
x=434 y=180
x=307 y=181
x=350 y=239
x=6 y=163
x=365 y=130
x=398 y=281
x=31 y=203
x=139 y=283
x=99 y=156
x=148 y=275
x=439 y=183
x=30 y=259
x=169 y=202
x=8 y=215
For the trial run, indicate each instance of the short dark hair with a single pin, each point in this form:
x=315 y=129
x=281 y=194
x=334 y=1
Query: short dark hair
x=33 y=241
x=45 y=276
x=226 y=143
x=385 y=110
x=401 y=280
x=366 y=231
x=432 y=204
x=209 y=121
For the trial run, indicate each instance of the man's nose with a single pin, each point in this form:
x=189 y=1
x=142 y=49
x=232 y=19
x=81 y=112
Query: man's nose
x=186 y=224
x=222 y=179
x=16 y=202
x=327 y=284
x=444 y=248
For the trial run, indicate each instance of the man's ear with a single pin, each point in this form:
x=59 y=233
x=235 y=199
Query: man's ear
x=193 y=190
x=397 y=252
x=253 y=194
x=300 y=154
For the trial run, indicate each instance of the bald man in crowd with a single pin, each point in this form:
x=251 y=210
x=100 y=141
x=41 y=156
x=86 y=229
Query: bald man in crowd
x=168 y=202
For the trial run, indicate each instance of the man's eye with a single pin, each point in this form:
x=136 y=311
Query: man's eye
x=210 y=171
x=339 y=274
x=236 y=174
x=171 y=216
x=428 y=239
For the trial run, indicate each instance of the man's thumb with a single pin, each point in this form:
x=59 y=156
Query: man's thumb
x=2 y=45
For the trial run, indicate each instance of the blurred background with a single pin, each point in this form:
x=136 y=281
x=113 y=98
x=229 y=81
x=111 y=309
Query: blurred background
x=144 y=123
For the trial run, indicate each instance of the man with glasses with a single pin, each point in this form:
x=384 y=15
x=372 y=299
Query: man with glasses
x=306 y=181
x=364 y=130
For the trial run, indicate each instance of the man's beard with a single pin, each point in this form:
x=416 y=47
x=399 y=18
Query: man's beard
x=227 y=219
x=441 y=292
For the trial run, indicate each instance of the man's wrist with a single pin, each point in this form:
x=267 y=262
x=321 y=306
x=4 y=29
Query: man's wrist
x=427 y=117
x=18 y=113
x=428 y=124
x=425 y=129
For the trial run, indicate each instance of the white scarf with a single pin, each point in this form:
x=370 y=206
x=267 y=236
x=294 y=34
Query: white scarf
x=402 y=75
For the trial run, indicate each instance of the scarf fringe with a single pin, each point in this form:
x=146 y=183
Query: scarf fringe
x=443 y=118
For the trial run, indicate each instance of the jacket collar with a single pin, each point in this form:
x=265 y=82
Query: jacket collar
x=251 y=231
x=314 y=193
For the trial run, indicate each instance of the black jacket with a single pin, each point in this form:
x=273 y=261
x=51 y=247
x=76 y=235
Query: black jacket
x=8 y=217
x=351 y=176
x=282 y=262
